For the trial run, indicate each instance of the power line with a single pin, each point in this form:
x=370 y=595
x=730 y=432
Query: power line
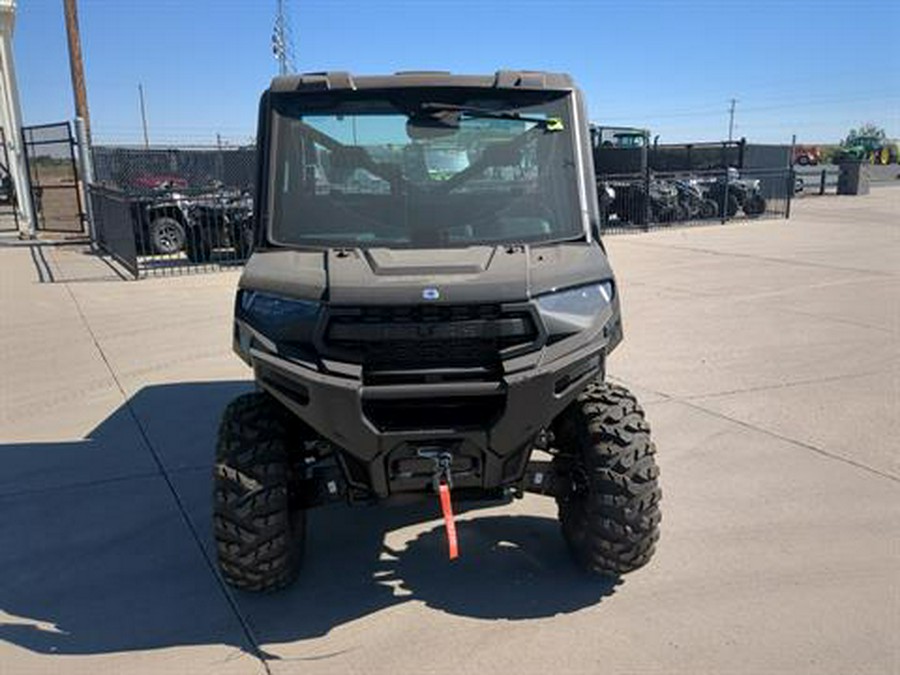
x=655 y=116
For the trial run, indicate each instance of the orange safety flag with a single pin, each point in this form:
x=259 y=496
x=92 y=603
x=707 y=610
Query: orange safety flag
x=449 y=524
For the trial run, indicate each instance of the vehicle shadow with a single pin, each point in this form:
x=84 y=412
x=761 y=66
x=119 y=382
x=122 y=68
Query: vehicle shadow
x=120 y=562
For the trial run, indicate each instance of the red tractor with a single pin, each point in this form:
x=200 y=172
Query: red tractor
x=807 y=155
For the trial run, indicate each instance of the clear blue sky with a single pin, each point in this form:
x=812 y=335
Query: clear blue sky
x=813 y=68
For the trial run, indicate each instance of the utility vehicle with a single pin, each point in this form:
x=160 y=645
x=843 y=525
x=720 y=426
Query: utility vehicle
x=423 y=328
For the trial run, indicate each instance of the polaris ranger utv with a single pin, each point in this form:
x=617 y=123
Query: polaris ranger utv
x=428 y=304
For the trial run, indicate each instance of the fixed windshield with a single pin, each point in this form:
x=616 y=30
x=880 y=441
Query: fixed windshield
x=430 y=169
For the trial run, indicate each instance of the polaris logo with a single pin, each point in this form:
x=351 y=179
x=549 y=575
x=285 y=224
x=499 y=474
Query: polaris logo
x=430 y=294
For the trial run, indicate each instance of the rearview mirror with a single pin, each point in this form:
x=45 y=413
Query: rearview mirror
x=435 y=124
x=501 y=154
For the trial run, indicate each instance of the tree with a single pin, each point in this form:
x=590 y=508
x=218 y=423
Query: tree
x=867 y=129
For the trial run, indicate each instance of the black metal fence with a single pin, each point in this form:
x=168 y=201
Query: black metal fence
x=655 y=200
x=112 y=228
x=645 y=186
x=172 y=232
x=816 y=180
x=56 y=190
x=164 y=211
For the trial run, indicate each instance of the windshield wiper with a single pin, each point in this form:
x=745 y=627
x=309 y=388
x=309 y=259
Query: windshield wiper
x=546 y=123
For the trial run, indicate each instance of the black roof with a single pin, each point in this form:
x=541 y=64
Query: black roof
x=502 y=79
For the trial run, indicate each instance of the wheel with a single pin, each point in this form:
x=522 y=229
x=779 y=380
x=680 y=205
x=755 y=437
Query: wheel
x=708 y=208
x=732 y=205
x=610 y=517
x=242 y=240
x=259 y=538
x=665 y=214
x=755 y=205
x=803 y=160
x=166 y=235
x=198 y=245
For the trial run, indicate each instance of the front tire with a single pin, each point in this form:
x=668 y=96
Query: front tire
x=259 y=538
x=610 y=517
x=166 y=235
x=708 y=209
x=198 y=245
x=755 y=205
x=730 y=207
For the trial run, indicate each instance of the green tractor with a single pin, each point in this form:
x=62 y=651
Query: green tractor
x=867 y=149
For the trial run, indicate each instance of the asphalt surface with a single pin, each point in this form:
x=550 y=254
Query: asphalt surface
x=765 y=352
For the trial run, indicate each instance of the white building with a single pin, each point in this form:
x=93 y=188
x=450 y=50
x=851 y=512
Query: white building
x=11 y=117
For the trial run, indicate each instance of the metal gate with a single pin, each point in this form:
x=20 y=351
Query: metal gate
x=9 y=217
x=55 y=188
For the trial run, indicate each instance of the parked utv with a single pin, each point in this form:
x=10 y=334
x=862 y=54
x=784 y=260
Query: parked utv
x=422 y=332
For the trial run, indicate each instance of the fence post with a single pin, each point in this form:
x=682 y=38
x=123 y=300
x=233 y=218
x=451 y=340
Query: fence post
x=791 y=177
x=822 y=183
x=724 y=204
x=87 y=177
x=645 y=168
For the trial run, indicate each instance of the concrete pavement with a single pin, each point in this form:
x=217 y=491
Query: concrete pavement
x=766 y=354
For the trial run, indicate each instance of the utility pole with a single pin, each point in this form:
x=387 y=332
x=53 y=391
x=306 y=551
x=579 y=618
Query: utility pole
x=76 y=65
x=143 y=115
x=731 y=120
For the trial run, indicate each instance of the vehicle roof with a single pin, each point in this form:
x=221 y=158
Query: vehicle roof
x=502 y=79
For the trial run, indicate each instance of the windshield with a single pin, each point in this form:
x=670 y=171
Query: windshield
x=432 y=169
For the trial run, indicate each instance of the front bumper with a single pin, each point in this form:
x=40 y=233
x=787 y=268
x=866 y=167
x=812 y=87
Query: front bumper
x=385 y=461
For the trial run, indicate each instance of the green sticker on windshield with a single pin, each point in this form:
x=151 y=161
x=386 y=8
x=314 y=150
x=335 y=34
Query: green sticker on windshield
x=555 y=124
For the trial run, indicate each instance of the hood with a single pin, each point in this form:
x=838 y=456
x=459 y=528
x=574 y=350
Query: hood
x=383 y=276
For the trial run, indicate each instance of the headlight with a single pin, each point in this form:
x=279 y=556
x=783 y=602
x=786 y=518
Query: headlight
x=574 y=310
x=278 y=318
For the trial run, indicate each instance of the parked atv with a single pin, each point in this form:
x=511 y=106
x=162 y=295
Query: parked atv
x=164 y=222
x=220 y=220
x=694 y=205
x=422 y=336
x=196 y=224
x=735 y=194
x=633 y=204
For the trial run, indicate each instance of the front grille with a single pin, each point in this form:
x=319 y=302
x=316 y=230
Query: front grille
x=435 y=413
x=427 y=343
